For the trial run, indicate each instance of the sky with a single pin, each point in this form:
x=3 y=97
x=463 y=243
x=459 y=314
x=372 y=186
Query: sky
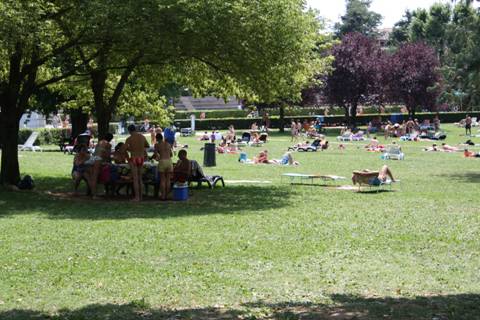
x=391 y=10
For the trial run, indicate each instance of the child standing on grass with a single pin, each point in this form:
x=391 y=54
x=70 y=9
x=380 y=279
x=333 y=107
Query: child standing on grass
x=79 y=167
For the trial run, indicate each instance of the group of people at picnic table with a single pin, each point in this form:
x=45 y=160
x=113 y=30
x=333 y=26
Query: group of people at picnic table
x=130 y=158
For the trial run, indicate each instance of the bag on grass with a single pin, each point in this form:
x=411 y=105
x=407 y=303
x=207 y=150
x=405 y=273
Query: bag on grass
x=26 y=183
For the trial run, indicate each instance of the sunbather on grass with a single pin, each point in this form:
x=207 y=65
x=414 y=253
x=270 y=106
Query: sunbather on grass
x=447 y=148
x=470 y=154
x=287 y=159
x=374 y=178
x=262 y=157
x=374 y=145
x=433 y=148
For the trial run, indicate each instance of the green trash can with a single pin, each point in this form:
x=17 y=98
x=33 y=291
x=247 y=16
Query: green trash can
x=209 y=155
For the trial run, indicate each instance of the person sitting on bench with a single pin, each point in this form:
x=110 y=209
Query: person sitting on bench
x=120 y=155
x=183 y=167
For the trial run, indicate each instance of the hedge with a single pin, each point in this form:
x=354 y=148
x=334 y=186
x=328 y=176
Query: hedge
x=289 y=112
x=245 y=123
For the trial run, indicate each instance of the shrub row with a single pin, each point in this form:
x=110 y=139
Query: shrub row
x=290 y=112
x=244 y=123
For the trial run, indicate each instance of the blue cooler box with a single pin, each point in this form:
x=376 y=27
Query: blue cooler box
x=180 y=192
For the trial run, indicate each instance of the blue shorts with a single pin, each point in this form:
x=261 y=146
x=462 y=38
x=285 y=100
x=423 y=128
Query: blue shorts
x=374 y=181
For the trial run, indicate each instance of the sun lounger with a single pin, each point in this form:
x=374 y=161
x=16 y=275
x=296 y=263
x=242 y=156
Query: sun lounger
x=199 y=177
x=393 y=153
x=28 y=145
x=311 y=177
x=313 y=147
x=345 y=137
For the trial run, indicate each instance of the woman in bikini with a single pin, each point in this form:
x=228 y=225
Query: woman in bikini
x=163 y=154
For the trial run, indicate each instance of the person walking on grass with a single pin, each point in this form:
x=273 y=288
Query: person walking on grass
x=163 y=154
x=136 y=145
x=468 y=125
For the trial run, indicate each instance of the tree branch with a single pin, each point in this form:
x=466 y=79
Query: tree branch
x=123 y=80
x=55 y=52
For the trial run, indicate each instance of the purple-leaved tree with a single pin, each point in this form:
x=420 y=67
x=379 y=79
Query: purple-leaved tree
x=413 y=77
x=356 y=75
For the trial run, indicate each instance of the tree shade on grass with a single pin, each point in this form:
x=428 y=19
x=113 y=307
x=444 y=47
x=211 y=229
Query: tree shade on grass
x=250 y=251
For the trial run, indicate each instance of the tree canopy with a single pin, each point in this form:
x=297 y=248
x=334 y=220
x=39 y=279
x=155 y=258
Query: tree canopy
x=257 y=49
x=452 y=30
x=356 y=73
x=412 y=76
x=358 y=18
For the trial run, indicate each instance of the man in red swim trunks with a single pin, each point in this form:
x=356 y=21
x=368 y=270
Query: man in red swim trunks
x=136 y=145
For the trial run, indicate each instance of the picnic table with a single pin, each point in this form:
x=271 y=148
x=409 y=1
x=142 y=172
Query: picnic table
x=305 y=177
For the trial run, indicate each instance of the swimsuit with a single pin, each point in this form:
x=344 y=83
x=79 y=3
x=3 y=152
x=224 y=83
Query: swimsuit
x=165 y=165
x=79 y=168
x=374 y=181
x=137 y=161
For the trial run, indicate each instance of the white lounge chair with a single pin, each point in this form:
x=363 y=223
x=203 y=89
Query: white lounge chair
x=345 y=137
x=28 y=145
x=474 y=122
x=393 y=153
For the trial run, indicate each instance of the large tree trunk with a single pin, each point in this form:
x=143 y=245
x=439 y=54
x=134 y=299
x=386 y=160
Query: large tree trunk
x=347 y=115
x=104 y=107
x=98 y=84
x=10 y=170
x=353 y=116
x=103 y=120
x=281 y=120
x=79 y=121
x=411 y=112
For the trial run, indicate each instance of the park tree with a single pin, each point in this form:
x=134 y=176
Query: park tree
x=358 y=18
x=461 y=66
x=430 y=26
x=357 y=70
x=412 y=76
x=32 y=46
x=401 y=29
x=261 y=49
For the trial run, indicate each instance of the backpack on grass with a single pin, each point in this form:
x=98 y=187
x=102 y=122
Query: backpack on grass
x=26 y=183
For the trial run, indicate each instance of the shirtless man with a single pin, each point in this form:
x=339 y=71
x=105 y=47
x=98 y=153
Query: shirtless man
x=136 y=145
x=163 y=154
x=293 y=131
x=374 y=178
x=468 y=126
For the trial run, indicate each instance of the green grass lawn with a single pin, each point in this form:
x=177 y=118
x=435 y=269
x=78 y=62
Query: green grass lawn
x=275 y=251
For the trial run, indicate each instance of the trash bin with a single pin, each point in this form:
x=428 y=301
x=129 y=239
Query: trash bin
x=209 y=154
x=180 y=191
